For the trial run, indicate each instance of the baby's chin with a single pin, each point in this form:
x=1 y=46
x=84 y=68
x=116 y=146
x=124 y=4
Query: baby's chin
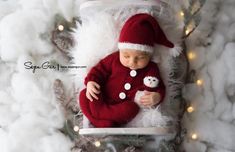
x=134 y=68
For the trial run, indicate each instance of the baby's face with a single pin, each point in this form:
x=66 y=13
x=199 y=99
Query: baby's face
x=134 y=59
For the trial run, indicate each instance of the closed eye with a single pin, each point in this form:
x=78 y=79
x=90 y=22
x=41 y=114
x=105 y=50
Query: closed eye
x=141 y=57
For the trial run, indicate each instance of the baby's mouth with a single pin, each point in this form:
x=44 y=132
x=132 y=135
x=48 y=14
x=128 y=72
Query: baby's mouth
x=133 y=68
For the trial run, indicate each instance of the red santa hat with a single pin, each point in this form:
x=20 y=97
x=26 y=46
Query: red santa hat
x=141 y=32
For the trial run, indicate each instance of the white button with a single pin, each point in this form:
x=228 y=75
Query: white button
x=127 y=86
x=133 y=73
x=122 y=95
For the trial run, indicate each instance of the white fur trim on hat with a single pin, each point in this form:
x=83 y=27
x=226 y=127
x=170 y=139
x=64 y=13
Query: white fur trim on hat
x=140 y=47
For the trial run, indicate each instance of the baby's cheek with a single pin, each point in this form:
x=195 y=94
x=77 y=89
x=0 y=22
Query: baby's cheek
x=141 y=65
x=124 y=61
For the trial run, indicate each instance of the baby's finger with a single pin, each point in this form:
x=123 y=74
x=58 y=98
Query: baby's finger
x=145 y=98
x=97 y=85
x=95 y=90
x=94 y=95
x=144 y=101
x=146 y=104
x=146 y=92
x=88 y=95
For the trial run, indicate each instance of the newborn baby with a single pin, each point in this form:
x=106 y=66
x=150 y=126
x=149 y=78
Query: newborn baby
x=113 y=84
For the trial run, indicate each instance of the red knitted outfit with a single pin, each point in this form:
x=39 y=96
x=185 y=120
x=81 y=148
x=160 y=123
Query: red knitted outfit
x=119 y=85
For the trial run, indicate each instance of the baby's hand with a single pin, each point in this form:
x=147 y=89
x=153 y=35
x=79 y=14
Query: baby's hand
x=92 y=90
x=150 y=99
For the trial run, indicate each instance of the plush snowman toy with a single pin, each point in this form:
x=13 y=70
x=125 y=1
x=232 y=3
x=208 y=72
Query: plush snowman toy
x=148 y=116
x=149 y=81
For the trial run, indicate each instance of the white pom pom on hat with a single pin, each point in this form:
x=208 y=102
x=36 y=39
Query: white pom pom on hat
x=142 y=32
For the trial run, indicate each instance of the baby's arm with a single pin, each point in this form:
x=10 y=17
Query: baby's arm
x=100 y=72
x=154 y=96
x=97 y=76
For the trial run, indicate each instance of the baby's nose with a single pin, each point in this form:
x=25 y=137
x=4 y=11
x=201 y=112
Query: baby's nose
x=133 y=61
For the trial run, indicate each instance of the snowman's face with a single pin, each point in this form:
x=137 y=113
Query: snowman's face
x=151 y=82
